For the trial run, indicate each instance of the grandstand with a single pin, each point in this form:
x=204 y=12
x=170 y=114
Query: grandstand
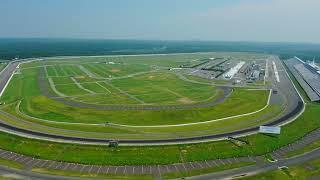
x=307 y=78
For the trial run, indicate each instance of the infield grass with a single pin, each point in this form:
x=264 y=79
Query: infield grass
x=241 y=101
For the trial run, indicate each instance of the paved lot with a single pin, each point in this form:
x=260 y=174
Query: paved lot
x=291 y=63
x=155 y=170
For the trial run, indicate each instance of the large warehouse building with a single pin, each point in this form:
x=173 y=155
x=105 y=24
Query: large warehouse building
x=307 y=75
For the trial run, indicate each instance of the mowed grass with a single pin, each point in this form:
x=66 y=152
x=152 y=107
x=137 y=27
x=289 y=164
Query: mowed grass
x=164 y=88
x=150 y=88
x=116 y=132
x=241 y=101
x=108 y=95
x=62 y=80
x=71 y=90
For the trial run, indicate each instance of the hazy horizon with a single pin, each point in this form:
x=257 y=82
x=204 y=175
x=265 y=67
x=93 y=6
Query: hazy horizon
x=183 y=20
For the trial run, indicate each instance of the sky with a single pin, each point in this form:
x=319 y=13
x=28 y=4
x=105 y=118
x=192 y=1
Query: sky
x=219 y=20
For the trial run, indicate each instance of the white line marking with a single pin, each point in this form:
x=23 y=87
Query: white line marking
x=55 y=70
x=53 y=87
x=103 y=87
x=81 y=87
x=125 y=93
x=5 y=86
x=64 y=72
x=45 y=70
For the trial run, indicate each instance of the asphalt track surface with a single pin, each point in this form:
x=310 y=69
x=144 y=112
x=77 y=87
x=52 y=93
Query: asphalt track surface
x=6 y=74
x=293 y=108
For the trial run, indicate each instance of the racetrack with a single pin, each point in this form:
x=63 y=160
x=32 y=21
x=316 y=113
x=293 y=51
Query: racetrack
x=294 y=107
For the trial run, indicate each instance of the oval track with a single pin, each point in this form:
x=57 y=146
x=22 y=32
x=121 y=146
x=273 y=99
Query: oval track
x=293 y=110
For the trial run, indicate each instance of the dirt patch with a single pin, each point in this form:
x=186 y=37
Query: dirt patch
x=151 y=77
x=185 y=100
x=115 y=70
